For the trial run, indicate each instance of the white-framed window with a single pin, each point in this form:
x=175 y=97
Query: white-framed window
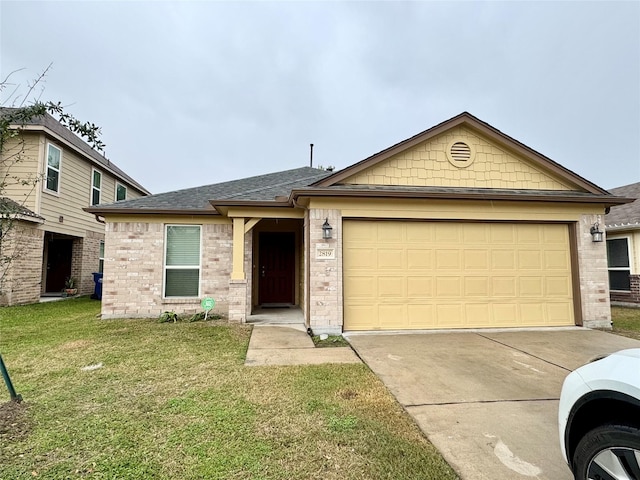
x=618 y=262
x=54 y=163
x=101 y=258
x=182 y=261
x=96 y=186
x=121 y=191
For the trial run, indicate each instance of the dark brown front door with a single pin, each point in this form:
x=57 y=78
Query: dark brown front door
x=277 y=268
x=58 y=264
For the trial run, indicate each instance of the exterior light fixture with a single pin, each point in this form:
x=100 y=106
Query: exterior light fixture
x=326 y=229
x=596 y=234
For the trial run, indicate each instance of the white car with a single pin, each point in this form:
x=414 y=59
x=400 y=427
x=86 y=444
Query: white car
x=599 y=418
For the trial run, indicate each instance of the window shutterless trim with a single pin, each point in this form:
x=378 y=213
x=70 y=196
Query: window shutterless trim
x=93 y=187
x=180 y=267
x=47 y=167
x=126 y=191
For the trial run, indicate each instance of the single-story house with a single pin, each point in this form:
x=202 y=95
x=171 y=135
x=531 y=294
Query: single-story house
x=459 y=226
x=623 y=247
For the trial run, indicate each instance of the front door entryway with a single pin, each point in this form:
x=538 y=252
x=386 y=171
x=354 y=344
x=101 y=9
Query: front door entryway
x=276 y=274
x=58 y=264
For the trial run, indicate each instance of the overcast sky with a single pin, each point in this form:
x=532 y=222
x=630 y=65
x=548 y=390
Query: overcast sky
x=192 y=93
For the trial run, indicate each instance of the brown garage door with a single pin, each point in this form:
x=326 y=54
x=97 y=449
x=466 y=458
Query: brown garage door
x=427 y=275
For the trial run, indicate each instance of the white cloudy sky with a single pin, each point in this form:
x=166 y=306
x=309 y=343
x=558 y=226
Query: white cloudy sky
x=191 y=93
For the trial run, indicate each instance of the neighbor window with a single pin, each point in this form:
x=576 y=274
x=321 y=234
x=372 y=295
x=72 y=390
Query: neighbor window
x=96 y=184
x=101 y=258
x=182 y=261
x=618 y=262
x=54 y=156
x=121 y=192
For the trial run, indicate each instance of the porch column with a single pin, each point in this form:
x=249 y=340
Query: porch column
x=237 y=272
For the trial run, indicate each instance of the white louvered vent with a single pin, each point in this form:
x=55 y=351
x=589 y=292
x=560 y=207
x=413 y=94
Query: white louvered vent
x=460 y=152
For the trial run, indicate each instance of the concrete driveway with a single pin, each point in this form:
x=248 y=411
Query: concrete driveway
x=487 y=400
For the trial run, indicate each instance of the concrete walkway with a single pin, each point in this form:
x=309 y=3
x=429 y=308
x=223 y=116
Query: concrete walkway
x=290 y=344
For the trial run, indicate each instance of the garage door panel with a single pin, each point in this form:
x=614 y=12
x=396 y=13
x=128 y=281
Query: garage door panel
x=477 y=314
x=529 y=260
x=421 y=315
x=393 y=287
x=531 y=287
x=362 y=287
x=411 y=275
x=388 y=258
x=476 y=287
x=528 y=234
x=420 y=287
x=448 y=259
x=448 y=287
x=503 y=286
x=556 y=260
x=557 y=287
x=419 y=259
x=504 y=314
x=503 y=259
x=448 y=233
x=449 y=315
x=501 y=233
x=475 y=259
x=358 y=258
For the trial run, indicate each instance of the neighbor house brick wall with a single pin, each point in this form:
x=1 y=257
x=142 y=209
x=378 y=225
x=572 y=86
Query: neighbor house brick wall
x=85 y=260
x=325 y=274
x=594 y=276
x=133 y=272
x=21 y=282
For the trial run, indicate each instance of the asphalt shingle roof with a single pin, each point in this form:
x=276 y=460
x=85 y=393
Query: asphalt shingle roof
x=263 y=188
x=9 y=208
x=628 y=214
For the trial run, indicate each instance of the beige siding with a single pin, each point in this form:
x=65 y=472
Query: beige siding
x=20 y=164
x=429 y=164
x=74 y=195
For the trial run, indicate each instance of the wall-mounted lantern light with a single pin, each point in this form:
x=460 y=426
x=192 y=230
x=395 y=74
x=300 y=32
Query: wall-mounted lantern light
x=596 y=234
x=326 y=229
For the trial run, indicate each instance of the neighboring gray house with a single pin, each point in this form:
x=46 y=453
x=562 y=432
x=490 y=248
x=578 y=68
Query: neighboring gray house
x=623 y=246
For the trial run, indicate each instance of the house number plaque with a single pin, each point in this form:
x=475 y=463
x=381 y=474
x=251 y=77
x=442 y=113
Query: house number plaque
x=325 y=253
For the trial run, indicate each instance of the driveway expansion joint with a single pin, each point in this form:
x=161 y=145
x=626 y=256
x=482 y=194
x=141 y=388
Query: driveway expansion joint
x=479 y=402
x=524 y=351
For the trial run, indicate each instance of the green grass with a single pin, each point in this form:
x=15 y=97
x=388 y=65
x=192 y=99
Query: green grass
x=626 y=321
x=174 y=400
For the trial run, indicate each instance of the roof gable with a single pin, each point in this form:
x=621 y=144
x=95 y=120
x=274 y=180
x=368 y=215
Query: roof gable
x=461 y=152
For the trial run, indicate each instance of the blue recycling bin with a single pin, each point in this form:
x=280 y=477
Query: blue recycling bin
x=97 y=289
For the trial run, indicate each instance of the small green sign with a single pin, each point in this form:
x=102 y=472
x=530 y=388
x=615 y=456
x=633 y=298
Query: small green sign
x=208 y=303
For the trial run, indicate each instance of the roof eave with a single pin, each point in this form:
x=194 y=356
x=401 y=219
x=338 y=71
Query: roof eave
x=149 y=211
x=606 y=201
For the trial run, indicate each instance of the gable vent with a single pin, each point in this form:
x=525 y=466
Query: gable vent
x=460 y=152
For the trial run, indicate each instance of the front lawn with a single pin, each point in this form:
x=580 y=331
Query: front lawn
x=139 y=399
x=626 y=321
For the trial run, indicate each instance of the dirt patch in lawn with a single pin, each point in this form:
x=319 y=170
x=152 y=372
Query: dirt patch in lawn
x=14 y=425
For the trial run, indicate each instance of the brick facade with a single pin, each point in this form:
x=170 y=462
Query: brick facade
x=325 y=274
x=133 y=273
x=21 y=282
x=85 y=260
x=594 y=276
x=632 y=296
